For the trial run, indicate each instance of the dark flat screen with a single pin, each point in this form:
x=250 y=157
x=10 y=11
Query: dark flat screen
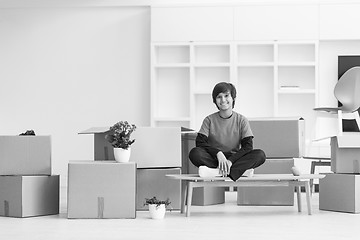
x=344 y=64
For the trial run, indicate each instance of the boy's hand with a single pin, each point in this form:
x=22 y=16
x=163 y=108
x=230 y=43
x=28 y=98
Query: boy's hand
x=224 y=164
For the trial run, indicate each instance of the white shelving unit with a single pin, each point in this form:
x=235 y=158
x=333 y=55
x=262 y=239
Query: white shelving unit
x=183 y=75
x=255 y=75
x=297 y=81
x=273 y=78
x=170 y=84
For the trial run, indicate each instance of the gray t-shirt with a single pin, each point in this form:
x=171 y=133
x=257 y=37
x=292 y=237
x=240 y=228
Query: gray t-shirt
x=226 y=134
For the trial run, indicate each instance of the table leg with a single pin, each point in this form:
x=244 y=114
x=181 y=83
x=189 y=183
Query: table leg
x=298 y=195
x=189 y=197
x=312 y=171
x=183 y=203
x=308 y=202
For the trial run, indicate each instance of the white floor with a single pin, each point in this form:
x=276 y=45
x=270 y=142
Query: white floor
x=224 y=221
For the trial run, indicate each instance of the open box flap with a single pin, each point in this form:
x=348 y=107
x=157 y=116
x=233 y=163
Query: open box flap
x=349 y=141
x=94 y=130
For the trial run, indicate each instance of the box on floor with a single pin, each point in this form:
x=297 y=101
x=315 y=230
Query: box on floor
x=345 y=154
x=25 y=155
x=277 y=195
x=29 y=196
x=154 y=147
x=101 y=189
x=154 y=183
x=205 y=195
x=279 y=137
x=340 y=192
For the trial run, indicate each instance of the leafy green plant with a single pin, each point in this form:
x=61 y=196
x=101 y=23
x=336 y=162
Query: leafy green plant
x=119 y=135
x=156 y=201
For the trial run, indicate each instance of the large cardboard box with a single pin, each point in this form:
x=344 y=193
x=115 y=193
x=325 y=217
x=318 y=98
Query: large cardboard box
x=101 y=189
x=345 y=154
x=154 y=183
x=279 y=137
x=154 y=147
x=29 y=196
x=340 y=192
x=203 y=196
x=25 y=155
x=279 y=195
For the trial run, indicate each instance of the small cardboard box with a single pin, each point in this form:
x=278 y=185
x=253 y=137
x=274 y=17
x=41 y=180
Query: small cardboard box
x=101 y=189
x=29 y=196
x=264 y=196
x=154 y=147
x=340 y=193
x=345 y=154
x=154 y=183
x=25 y=155
x=279 y=137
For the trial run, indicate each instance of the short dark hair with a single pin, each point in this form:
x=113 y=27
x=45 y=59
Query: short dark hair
x=224 y=87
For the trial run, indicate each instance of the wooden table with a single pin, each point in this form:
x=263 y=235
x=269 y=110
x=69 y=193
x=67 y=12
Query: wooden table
x=261 y=180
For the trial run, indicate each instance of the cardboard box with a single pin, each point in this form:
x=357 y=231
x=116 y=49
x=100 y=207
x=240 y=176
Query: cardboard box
x=154 y=183
x=345 y=154
x=101 y=189
x=279 y=137
x=204 y=196
x=340 y=193
x=279 y=195
x=201 y=196
x=25 y=155
x=154 y=147
x=29 y=196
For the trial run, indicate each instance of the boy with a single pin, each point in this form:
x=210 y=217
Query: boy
x=224 y=144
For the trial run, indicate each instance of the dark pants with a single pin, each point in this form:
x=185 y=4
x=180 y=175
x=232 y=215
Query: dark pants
x=253 y=159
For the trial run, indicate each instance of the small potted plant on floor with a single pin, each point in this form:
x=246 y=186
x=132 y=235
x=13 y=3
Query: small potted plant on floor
x=157 y=208
x=119 y=137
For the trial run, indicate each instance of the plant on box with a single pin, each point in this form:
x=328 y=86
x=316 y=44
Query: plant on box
x=119 y=138
x=157 y=207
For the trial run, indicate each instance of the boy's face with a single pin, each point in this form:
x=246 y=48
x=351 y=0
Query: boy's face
x=224 y=101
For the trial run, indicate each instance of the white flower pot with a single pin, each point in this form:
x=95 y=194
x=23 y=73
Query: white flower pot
x=157 y=211
x=122 y=155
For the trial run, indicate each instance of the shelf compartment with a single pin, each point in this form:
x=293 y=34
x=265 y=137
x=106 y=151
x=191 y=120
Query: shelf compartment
x=296 y=52
x=212 y=54
x=172 y=96
x=207 y=77
x=255 y=88
x=296 y=105
x=204 y=106
x=255 y=53
x=303 y=77
x=172 y=54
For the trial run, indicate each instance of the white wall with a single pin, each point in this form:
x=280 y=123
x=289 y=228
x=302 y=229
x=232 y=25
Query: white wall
x=63 y=70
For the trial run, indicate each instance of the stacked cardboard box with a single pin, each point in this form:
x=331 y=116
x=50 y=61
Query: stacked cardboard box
x=156 y=153
x=282 y=140
x=339 y=191
x=27 y=187
x=101 y=189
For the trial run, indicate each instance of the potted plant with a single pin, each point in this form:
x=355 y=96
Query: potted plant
x=157 y=208
x=119 y=137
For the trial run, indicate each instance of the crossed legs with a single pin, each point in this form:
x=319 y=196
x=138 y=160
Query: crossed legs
x=253 y=159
